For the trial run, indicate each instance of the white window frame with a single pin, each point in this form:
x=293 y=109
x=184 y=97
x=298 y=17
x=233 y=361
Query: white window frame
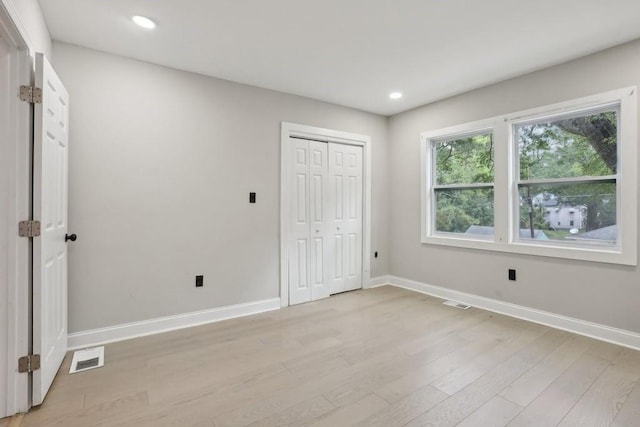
x=429 y=233
x=506 y=178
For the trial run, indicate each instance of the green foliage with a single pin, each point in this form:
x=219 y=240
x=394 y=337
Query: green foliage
x=585 y=146
x=548 y=150
x=457 y=210
x=464 y=161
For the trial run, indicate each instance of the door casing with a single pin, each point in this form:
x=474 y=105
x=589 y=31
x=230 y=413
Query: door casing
x=18 y=150
x=325 y=135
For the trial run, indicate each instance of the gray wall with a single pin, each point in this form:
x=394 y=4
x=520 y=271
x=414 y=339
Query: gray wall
x=602 y=293
x=161 y=166
x=162 y=162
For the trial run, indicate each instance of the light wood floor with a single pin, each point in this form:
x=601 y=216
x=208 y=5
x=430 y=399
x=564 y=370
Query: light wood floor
x=381 y=357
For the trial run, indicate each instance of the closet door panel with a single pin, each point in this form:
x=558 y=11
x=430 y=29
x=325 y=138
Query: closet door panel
x=352 y=224
x=318 y=172
x=298 y=254
x=345 y=223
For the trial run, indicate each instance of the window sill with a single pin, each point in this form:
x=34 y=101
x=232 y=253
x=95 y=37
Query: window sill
x=602 y=255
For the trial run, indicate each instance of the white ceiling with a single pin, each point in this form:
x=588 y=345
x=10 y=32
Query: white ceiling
x=351 y=52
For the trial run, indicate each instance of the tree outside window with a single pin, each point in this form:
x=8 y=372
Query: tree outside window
x=568 y=169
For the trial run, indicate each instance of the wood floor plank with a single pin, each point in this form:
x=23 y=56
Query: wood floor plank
x=194 y=415
x=368 y=357
x=448 y=355
x=533 y=382
x=629 y=414
x=299 y=414
x=459 y=378
x=556 y=401
x=351 y=414
x=404 y=410
x=602 y=401
x=605 y=350
x=107 y=412
x=495 y=413
x=278 y=403
x=468 y=400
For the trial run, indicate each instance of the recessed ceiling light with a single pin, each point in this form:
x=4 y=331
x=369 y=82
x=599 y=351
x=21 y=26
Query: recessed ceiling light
x=144 y=22
x=395 y=95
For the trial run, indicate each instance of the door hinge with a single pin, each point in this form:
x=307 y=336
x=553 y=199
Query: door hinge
x=31 y=94
x=29 y=228
x=29 y=363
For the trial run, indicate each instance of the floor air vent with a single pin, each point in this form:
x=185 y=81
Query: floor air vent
x=83 y=360
x=457 y=305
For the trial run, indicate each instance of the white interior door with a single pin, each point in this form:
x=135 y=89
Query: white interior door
x=308 y=229
x=345 y=217
x=51 y=144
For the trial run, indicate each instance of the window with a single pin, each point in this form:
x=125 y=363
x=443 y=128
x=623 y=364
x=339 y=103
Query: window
x=547 y=181
x=463 y=185
x=569 y=162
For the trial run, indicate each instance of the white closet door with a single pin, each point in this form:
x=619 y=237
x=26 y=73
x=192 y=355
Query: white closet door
x=298 y=256
x=319 y=171
x=345 y=217
x=308 y=228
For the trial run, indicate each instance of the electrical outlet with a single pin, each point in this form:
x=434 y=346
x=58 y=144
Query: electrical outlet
x=199 y=281
x=252 y=197
x=375 y=254
x=512 y=274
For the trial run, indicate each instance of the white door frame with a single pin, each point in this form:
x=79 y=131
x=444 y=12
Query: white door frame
x=326 y=135
x=19 y=258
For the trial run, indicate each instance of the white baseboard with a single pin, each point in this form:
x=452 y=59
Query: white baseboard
x=379 y=281
x=582 y=327
x=83 y=339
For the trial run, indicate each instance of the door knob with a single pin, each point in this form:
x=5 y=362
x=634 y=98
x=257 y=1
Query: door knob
x=71 y=237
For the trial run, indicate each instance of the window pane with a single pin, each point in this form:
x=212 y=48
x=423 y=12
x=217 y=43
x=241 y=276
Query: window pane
x=465 y=211
x=573 y=213
x=465 y=160
x=571 y=147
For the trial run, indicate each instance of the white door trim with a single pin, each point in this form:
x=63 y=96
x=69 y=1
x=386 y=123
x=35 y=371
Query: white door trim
x=328 y=135
x=19 y=146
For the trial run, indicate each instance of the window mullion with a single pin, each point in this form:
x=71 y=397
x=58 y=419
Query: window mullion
x=501 y=193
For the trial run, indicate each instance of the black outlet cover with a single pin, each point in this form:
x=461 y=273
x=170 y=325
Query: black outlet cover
x=375 y=254
x=199 y=281
x=512 y=274
x=252 y=197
